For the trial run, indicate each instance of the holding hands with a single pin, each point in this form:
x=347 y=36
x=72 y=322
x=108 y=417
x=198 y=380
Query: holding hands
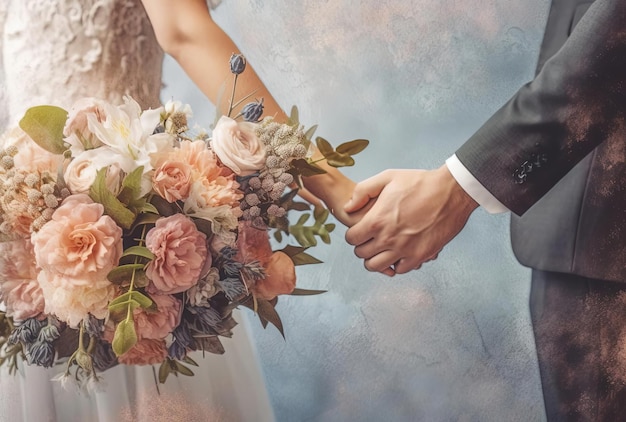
x=415 y=214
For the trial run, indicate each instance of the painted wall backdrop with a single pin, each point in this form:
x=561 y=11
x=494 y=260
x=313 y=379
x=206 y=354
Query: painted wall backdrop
x=452 y=341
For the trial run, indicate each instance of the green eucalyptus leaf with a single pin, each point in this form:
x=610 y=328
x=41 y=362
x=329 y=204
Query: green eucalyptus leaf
x=190 y=361
x=337 y=160
x=310 y=131
x=141 y=251
x=119 y=311
x=305 y=168
x=125 y=337
x=124 y=273
x=44 y=124
x=324 y=146
x=353 y=147
x=320 y=214
x=149 y=208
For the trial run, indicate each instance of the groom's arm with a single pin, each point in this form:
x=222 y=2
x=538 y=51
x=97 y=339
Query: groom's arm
x=576 y=102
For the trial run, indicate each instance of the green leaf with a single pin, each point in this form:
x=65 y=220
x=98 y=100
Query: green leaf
x=310 y=131
x=338 y=160
x=141 y=251
x=305 y=168
x=148 y=208
x=119 y=311
x=304 y=259
x=44 y=124
x=294 y=117
x=163 y=207
x=123 y=273
x=267 y=311
x=353 y=147
x=182 y=369
x=164 y=371
x=320 y=214
x=125 y=337
x=324 y=146
x=306 y=292
x=190 y=361
x=131 y=186
x=134 y=295
x=112 y=206
x=145 y=218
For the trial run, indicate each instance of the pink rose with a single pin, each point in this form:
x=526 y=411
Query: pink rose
x=19 y=288
x=172 y=180
x=180 y=251
x=145 y=352
x=77 y=132
x=80 y=245
x=237 y=146
x=280 y=277
x=157 y=325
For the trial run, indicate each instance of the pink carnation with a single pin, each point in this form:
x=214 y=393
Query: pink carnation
x=19 y=288
x=79 y=246
x=180 y=252
x=145 y=352
x=157 y=325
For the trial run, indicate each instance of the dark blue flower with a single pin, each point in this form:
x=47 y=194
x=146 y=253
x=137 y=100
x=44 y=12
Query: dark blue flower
x=177 y=351
x=237 y=63
x=253 y=111
x=41 y=354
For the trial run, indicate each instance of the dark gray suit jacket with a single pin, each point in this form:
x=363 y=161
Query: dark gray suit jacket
x=555 y=154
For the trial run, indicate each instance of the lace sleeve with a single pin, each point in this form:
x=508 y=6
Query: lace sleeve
x=4 y=117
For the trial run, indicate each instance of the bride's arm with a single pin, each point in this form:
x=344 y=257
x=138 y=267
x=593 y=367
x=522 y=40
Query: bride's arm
x=186 y=31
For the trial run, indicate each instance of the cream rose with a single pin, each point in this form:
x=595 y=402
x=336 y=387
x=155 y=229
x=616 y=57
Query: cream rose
x=81 y=172
x=237 y=146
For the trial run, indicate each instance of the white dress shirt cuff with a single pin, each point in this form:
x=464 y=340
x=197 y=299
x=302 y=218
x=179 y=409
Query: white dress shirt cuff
x=473 y=187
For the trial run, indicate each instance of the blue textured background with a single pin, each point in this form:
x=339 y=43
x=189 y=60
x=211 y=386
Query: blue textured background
x=452 y=341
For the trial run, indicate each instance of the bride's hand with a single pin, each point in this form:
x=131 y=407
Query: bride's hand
x=417 y=213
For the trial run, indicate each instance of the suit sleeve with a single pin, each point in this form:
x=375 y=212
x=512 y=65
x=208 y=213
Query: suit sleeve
x=576 y=102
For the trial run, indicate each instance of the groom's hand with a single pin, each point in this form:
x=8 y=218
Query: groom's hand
x=417 y=212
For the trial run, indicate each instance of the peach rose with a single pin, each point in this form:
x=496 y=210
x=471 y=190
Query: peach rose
x=180 y=252
x=19 y=288
x=172 y=180
x=157 y=325
x=80 y=245
x=280 y=277
x=237 y=146
x=145 y=352
x=77 y=132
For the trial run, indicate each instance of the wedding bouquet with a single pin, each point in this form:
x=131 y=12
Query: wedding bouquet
x=126 y=239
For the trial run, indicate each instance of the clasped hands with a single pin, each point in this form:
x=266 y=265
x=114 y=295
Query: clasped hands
x=412 y=215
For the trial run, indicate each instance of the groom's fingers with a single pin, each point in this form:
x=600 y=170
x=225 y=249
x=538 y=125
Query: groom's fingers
x=366 y=190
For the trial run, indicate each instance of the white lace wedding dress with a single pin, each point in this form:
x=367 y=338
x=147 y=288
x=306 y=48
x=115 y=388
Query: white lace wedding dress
x=53 y=52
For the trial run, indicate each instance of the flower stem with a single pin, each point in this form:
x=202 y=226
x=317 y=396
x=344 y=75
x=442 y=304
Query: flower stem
x=232 y=97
